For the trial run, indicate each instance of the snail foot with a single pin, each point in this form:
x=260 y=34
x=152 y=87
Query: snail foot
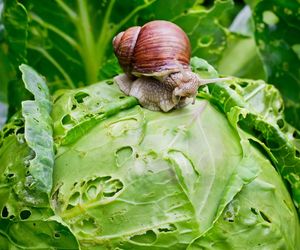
x=151 y=93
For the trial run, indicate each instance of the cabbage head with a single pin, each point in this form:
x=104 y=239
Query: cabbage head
x=89 y=168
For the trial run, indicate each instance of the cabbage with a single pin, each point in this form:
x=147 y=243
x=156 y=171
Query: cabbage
x=104 y=173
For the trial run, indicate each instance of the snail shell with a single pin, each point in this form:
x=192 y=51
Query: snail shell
x=156 y=49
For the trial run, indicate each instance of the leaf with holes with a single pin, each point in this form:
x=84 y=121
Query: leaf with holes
x=148 y=180
x=258 y=109
x=277 y=36
x=21 y=213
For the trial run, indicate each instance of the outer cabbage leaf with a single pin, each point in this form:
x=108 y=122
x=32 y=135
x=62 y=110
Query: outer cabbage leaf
x=261 y=116
x=251 y=220
x=85 y=109
x=38 y=136
x=150 y=180
x=26 y=153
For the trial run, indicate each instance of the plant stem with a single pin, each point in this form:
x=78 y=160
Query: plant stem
x=105 y=34
x=88 y=44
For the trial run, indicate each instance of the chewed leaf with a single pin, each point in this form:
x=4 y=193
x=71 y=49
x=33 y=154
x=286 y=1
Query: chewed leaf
x=38 y=134
x=23 y=234
x=87 y=107
x=257 y=108
x=277 y=37
x=149 y=180
x=207 y=35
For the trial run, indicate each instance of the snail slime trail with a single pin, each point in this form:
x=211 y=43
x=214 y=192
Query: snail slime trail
x=155 y=59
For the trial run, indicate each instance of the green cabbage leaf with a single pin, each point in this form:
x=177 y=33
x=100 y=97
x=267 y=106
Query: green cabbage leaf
x=27 y=160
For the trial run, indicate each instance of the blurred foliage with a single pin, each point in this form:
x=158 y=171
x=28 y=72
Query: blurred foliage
x=277 y=34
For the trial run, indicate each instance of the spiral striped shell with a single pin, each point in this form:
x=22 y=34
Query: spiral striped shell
x=156 y=49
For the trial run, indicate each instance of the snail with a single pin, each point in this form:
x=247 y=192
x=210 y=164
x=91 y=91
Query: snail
x=155 y=59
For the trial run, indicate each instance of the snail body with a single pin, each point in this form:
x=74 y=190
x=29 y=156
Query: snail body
x=155 y=59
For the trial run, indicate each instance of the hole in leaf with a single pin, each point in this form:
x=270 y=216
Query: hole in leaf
x=75 y=198
x=19 y=122
x=243 y=84
x=98 y=181
x=10 y=175
x=8 y=132
x=56 y=235
x=55 y=150
x=20 y=130
x=4 y=212
x=105 y=178
x=253 y=210
x=87 y=116
x=122 y=97
x=39 y=86
x=25 y=214
x=69 y=207
x=169 y=228
x=79 y=96
x=112 y=188
x=270 y=18
x=11 y=217
x=229 y=216
x=280 y=123
x=265 y=217
x=147 y=238
x=107 y=195
x=123 y=154
x=36 y=120
x=88 y=225
x=296 y=134
x=297 y=153
x=73 y=107
x=205 y=41
x=232 y=86
x=92 y=192
x=67 y=120
x=109 y=82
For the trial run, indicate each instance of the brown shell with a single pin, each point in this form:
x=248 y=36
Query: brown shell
x=124 y=44
x=158 y=48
